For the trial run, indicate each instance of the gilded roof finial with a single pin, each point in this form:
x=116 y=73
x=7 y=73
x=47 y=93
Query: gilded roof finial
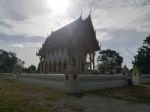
x=81 y=15
x=90 y=12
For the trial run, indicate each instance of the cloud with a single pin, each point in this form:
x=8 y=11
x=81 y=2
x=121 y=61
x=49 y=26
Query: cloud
x=16 y=46
x=125 y=37
x=124 y=41
x=11 y=39
x=26 y=45
x=120 y=25
x=3 y=23
x=21 y=9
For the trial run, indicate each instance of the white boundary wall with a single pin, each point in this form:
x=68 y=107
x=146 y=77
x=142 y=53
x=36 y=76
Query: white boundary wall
x=94 y=82
x=75 y=83
x=145 y=78
x=87 y=82
x=55 y=81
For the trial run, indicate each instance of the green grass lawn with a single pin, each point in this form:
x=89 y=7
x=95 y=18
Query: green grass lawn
x=21 y=97
x=137 y=94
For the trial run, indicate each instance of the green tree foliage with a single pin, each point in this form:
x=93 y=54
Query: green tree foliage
x=8 y=61
x=109 y=61
x=142 y=59
x=30 y=69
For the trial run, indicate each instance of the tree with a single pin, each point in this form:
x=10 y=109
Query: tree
x=142 y=59
x=109 y=61
x=19 y=66
x=30 y=69
x=8 y=61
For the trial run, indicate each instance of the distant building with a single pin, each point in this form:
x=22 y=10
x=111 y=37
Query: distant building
x=69 y=46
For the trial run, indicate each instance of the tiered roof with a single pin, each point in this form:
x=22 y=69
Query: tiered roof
x=78 y=34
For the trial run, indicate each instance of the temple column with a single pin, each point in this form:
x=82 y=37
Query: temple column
x=44 y=66
x=93 y=60
x=62 y=66
x=48 y=66
x=90 y=61
x=67 y=64
x=40 y=66
x=56 y=66
x=52 y=66
x=85 y=63
x=80 y=63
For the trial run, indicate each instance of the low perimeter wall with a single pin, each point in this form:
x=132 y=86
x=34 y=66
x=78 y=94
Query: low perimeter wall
x=74 y=83
x=87 y=82
x=55 y=81
x=145 y=78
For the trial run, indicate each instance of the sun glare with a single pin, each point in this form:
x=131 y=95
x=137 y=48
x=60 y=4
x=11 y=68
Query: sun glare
x=58 y=6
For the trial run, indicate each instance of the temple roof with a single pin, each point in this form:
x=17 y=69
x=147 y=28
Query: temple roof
x=79 y=33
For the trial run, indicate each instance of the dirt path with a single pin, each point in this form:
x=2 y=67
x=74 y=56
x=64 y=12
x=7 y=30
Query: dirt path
x=97 y=104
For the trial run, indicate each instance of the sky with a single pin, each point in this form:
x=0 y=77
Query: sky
x=121 y=25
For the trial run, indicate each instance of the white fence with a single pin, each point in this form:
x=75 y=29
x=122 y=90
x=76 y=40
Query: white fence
x=75 y=83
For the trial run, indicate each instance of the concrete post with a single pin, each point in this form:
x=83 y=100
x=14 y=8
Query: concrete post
x=135 y=76
x=71 y=79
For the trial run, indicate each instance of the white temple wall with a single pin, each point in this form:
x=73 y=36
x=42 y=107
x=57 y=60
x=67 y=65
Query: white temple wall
x=144 y=78
x=75 y=83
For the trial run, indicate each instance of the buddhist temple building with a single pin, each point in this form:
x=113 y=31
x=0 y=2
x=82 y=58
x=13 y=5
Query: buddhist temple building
x=69 y=46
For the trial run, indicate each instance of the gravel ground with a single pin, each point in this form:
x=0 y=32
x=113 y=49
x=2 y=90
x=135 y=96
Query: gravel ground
x=97 y=104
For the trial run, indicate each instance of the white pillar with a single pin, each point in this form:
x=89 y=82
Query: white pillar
x=90 y=61
x=136 y=76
